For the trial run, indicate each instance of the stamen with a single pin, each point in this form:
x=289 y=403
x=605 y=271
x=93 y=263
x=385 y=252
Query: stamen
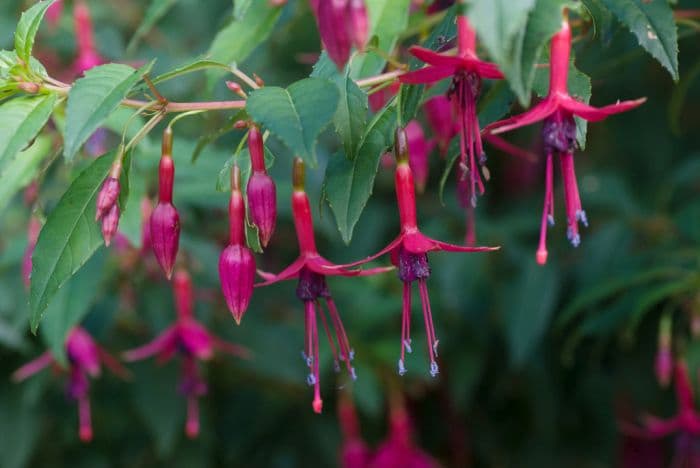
x=407 y=345
x=434 y=369
x=310 y=380
x=428 y=318
x=541 y=255
x=402 y=368
x=405 y=323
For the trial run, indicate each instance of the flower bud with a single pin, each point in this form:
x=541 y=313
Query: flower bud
x=110 y=222
x=262 y=194
x=334 y=31
x=359 y=23
x=419 y=151
x=165 y=235
x=108 y=196
x=54 y=12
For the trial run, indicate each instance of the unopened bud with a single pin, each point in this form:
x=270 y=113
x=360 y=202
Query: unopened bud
x=107 y=198
x=262 y=202
x=165 y=235
x=29 y=88
x=236 y=88
x=259 y=81
x=110 y=222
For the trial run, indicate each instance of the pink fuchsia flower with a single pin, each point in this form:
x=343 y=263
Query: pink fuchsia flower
x=54 y=12
x=557 y=110
x=33 y=229
x=354 y=452
x=88 y=56
x=409 y=253
x=311 y=269
x=237 y=263
x=193 y=342
x=165 y=220
x=419 y=152
x=261 y=191
x=467 y=72
x=377 y=99
x=85 y=358
x=342 y=24
x=399 y=449
x=438 y=113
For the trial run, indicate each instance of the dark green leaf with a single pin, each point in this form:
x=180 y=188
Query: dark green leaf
x=93 y=98
x=653 y=24
x=20 y=171
x=602 y=19
x=68 y=239
x=22 y=118
x=27 y=28
x=20 y=425
x=296 y=115
x=240 y=7
x=349 y=182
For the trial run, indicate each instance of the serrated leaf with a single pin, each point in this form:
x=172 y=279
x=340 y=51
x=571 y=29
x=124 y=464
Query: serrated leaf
x=156 y=10
x=93 y=98
x=27 y=28
x=653 y=24
x=20 y=171
x=68 y=239
x=351 y=117
x=70 y=305
x=240 y=37
x=348 y=183
x=296 y=115
x=387 y=19
x=22 y=119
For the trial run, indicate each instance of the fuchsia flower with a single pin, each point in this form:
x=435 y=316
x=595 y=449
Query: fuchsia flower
x=84 y=360
x=54 y=12
x=165 y=220
x=193 y=342
x=237 y=263
x=557 y=110
x=409 y=253
x=354 y=452
x=419 y=152
x=107 y=206
x=33 y=229
x=377 y=99
x=262 y=194
x=399 y=450
x=438 y=113
x=342 y=24
x=686 y=423
x=88 y=56
x=311 y=269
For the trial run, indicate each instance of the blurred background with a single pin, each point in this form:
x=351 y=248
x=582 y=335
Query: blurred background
x=538 y=364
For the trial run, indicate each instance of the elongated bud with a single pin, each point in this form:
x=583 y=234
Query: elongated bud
x=237 y=263
x=261 y=190
x=109 y=193
x=235 y=88
x=663 y=364
x=332 y=25
x=301 y=210
x=165 y=220
x=33 y=230
x=359 y=23
x=418 y=154
x=87 y=53
x=110 y=223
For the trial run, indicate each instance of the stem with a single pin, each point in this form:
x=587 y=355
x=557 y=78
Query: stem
x=186 y=106
x=145 y=130
x=384 y=77
x=245 y=78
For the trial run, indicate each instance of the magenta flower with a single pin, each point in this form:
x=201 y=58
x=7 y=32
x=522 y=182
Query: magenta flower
x=88 y=56
x=54 y=12
x=438 y=113
x=342 y=24
x=311 y=270
x=685 y=424
x=165 y=220
x=409 y=253
x=84 y=360
x=557 y=110
x=354 y=452
x=262 y=194
x=33 y=229
x=193 y=342
x=237 y=263
x=419 y=152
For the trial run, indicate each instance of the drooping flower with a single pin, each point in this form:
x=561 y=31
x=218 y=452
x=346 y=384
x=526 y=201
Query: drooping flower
x=261 y=191
x=311 y=269
x=85 y=358
x=685 y=424
x=342 y=24
x=88 y=56
x=193 y=342
x=409 y=253
x=237 y=263
x=354 y=452
x=557 y=110
x=165 y=220
x=33 y=229
x=399 y=449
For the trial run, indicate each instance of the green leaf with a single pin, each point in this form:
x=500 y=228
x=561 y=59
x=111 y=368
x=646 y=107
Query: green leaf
x=296 y=115
x=22 y=119
x=20 y=171
x=240 y=7
x=529 y=308
x=93 y=98
x=349 y=182
x=602 y=19
x=237 y=40
x=20 y=426
x=411 y=95
x=351 y=117
x=156 y=10
x=653 y=24
x=27 y=28
x=70 y=305
x=579 y=85
x=387 y=19
x=68 y=239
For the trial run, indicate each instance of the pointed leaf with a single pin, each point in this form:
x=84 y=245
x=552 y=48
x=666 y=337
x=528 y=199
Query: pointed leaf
x=653 y=24
x=27 y=28
x=349 y=182
x=68 y=239
x=93 y=98
x=296 y=115
x=22 y=118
